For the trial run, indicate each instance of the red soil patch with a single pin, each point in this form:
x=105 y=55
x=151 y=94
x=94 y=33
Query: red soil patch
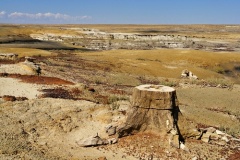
x=13 y=98
x=235 y=155
x=40 y=79
x=57 y=93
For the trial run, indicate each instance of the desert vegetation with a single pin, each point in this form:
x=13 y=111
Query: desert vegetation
x=81 y=90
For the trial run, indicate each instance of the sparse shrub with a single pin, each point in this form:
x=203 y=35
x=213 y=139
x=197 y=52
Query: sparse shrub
x=68 y=65
x=4 y=74
x=113 y=99
x=115 y=106
x=141 y=59
x=193 y=81
x=219 y=70
x=97 y=81
x=223 y=83
x=145 y=80
x=61 y=70
x=237 y=68
x=107 y=69
x=169 y=83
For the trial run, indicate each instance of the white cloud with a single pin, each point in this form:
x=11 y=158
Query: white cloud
x=45 y=15
x=2 y=13
x=54 y=16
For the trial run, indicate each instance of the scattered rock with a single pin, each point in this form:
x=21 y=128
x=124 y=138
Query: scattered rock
x=8 y=56
x=206 y=137
x=110 y=130
x=91 y=89
x=235 y=139
x=195 y=158
x=173 y=132
x=221 y=143
x=112 y=140
x=225 y=139
x=188 y=74
x=174 y=141
x=214 y=136
x=91 y=141
x=29 y=61
x=183 y=147
x=219 y=132
x=211 y=129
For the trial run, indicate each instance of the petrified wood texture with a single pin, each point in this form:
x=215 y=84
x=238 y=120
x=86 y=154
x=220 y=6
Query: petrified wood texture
x=153 y=108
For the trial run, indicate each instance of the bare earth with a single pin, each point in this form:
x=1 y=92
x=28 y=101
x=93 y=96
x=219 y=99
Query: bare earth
x=87 y=76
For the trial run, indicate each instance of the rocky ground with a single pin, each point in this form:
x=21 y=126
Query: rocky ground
x=75 y=106
x=56 y=128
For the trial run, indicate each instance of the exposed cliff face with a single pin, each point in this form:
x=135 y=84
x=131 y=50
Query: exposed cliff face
x=97 y=40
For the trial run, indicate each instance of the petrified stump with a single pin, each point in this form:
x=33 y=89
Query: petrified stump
x=154 y=108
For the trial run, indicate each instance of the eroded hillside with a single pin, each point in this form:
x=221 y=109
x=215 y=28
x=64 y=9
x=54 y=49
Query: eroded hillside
x=83 y=91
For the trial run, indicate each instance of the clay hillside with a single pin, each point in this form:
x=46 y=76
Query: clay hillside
x=120 y=92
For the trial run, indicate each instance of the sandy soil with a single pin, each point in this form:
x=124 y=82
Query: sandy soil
x=14 y=87
x=19 y=68
x=53 y=128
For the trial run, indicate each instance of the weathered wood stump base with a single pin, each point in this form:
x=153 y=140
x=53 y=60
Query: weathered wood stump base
x=154 y=108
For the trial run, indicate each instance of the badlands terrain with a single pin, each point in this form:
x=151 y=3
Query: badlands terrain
x=65 y=90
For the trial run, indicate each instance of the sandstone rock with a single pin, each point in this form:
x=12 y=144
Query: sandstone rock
x=235 y=139
x=173 y=132
x=198 y=137
x=206 y=137
x=91 y=141
x=185 y=73
x=195 y=158
x=219 y=132
x=8 y=56
x=184 y=147
x=29 y=61
x=112 y=140
x=221 y=143
x=214 y=136
x=111 y=130
x=174 y=141
x=211 y=129
x=187 y=128
x=188 y=74
x=224 y=138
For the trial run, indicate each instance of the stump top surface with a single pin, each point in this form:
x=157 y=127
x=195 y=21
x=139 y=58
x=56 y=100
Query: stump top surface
x=155 y=88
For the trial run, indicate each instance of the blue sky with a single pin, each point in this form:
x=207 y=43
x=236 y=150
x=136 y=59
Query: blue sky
x=120 y=11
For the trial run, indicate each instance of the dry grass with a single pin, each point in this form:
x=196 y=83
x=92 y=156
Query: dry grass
x=22 y=52
x=26 y=30
x=212 y=107
x=229 y=32
x=165 y=62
